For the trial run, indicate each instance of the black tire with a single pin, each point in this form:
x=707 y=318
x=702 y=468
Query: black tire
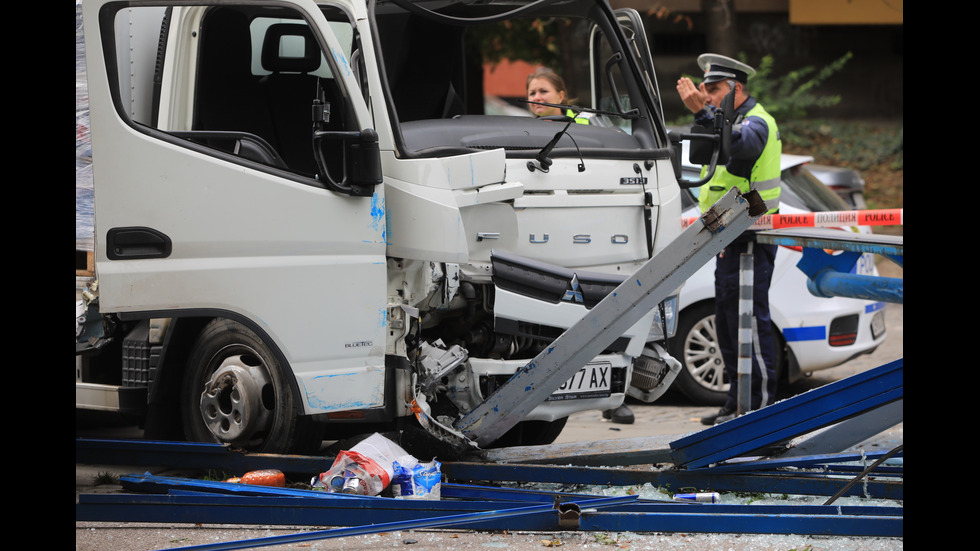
x=695 y=345
x=235 y=391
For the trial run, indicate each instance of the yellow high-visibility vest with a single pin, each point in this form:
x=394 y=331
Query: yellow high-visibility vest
x=765 y=176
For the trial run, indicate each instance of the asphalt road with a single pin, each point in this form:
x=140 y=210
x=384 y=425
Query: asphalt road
x=672 y=415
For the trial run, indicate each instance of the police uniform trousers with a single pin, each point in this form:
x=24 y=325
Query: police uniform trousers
x=727 y=315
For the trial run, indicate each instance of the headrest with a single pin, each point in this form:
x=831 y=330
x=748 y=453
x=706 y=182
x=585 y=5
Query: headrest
x=290 y=48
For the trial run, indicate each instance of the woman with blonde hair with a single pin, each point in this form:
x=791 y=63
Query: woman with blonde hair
x=545 y=85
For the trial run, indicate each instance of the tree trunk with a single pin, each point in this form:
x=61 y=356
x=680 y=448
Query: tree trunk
x=720 y=19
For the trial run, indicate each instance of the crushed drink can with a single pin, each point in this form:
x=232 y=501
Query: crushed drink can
x=336 y=483
x=352 y=486
x=700 y=497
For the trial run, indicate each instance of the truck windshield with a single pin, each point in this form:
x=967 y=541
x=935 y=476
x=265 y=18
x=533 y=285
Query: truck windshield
x=469 y=63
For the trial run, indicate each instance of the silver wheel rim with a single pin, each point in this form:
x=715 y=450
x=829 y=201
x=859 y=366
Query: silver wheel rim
x=231 y=403
x=702 y=357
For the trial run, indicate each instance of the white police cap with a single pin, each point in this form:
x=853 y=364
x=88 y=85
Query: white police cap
x=718 y=67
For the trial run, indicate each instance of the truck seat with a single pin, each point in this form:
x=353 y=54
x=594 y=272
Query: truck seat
x=290 y=90
x=229 y=96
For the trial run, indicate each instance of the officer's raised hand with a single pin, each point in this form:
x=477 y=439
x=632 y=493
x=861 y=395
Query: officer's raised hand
x=694 y=98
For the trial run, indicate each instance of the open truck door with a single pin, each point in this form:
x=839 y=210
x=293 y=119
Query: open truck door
x=239 y=180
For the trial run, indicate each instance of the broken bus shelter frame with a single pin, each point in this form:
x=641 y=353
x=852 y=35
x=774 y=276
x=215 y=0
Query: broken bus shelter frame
x=701 y=461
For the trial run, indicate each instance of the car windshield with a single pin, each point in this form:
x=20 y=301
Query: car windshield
x=803 y=190
x=800 y=189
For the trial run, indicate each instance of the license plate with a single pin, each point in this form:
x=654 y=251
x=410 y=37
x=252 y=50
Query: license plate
x=592 y=381
x=878 y=324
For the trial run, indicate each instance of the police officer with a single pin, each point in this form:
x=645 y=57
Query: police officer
x=756 y=149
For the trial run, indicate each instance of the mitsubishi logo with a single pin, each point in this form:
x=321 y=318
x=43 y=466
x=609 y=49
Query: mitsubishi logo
x=573 y=294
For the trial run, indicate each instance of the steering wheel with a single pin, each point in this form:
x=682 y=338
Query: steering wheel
x=243 y=144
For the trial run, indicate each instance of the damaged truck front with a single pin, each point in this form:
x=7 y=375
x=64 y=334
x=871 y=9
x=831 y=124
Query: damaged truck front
x=311 y=222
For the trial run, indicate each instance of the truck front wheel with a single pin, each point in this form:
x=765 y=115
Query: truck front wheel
x=235 y=392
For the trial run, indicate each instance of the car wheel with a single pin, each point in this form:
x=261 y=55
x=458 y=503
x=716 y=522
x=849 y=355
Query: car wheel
x=235 y=392
x=702 y=378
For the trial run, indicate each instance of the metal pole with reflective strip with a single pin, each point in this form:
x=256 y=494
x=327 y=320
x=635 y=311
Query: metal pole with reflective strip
x=746 y=278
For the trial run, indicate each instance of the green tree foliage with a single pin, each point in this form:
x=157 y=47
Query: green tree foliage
x=789 y=96
x=532 y=40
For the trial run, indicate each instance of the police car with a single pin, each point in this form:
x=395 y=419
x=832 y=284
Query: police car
x=813 y=333
x=845 y=182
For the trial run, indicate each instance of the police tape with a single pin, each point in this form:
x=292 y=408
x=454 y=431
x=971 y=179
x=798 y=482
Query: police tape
x=832 y=219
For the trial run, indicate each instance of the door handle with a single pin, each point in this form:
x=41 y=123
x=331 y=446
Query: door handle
x=137 y=242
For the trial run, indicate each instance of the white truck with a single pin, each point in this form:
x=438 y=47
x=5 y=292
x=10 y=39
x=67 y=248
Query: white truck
x=306 y=218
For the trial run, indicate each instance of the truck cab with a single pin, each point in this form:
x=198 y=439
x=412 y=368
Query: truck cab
x=309 y=223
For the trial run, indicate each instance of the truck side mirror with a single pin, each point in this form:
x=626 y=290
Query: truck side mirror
x=676 y=151
x=361 y=165
x=710 y=145
x=727 y=119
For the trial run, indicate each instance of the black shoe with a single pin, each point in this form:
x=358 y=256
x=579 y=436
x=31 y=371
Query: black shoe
x=712 y=419
x=622 y=415
x=722 y=418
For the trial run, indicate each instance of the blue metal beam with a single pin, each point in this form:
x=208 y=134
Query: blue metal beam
x=824 y=238
x=644 y=450
x=474 y=507
x=829 y=274
x=597 y=514
x=214 y=456
x=455 y=491
x=792 y=417
x=452 y=520
x=191 y=455
x=208 y=456
x=829 y=283
x=818 y=484
x=397 y=507
x=824 y=460
x=292 y=510
x=849 y=433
